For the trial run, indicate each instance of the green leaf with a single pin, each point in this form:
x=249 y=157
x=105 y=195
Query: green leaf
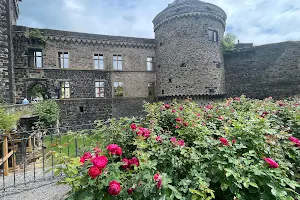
x=224 y=186
x=253 y=184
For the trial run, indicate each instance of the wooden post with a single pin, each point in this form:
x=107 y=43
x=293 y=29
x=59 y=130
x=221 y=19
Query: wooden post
x=5 y=152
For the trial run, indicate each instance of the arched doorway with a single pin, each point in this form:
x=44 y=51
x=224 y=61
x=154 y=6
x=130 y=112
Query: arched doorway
x=37 y=92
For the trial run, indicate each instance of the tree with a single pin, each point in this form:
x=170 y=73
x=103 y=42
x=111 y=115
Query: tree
x=48 y=112
x=228 y=43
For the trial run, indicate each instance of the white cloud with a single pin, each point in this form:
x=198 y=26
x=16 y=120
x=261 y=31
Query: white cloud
x=257 y=21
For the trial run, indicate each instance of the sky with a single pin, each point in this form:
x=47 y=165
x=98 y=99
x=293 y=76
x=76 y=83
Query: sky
x=252 y=21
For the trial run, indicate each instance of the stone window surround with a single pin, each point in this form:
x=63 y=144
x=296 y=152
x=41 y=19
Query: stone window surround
x=122 y=61
x=113 y=88
x=151 y=62
x=100 y=80
x=63 y=91
x=214 y=31
x=97 y=53
x=57 y=58
x=32 y=57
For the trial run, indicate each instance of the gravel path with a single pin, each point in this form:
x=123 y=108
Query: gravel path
x=44 y=188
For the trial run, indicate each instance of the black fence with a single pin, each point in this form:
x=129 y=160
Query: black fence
x=29 y=156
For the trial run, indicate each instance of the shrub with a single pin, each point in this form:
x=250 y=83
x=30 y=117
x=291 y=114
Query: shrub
x=8 y=121
x=228 y=43
x=238 y=149
x=48 y=112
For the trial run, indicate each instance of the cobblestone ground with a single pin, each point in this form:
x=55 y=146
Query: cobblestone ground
x=44 y=188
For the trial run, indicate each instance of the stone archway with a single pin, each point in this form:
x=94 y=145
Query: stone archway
x=37 y=91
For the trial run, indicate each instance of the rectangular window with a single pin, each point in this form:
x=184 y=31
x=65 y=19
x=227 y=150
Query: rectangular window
x=35 y=59
x=151 y=89
x=99 y=89
x=213 y=36
x=98 y=61
x=117 y=62
x=65 y=90
x=63 y=60
x=118 y=89
x=150 y=61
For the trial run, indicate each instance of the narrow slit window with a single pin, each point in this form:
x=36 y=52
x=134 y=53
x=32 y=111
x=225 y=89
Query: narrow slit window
x=151 y=88
x=65 y=90
x=63 y=60
x=118 y=89
x=98 y=61
x=99 y=89
x=213 y=36
x=118 y=62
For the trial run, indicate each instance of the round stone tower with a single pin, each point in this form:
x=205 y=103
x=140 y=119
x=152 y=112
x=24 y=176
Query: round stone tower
x=189 y=59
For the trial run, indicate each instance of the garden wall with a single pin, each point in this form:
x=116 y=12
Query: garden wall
x=263 y=71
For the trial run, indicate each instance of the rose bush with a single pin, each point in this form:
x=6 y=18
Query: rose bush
x=237 y=149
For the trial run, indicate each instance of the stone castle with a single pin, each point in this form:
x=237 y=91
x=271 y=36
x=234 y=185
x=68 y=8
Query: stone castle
x=98 y=76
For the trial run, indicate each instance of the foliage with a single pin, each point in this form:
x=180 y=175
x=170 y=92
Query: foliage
x=37 y=91
x=36 y=34
x=48 y=112
x=8 y=121
x=228 y=43
x=239 y=149
x=119 y=91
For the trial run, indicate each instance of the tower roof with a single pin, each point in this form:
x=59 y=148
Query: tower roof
x=187 y=8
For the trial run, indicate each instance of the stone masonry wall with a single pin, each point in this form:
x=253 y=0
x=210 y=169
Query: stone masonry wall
x=263 y=71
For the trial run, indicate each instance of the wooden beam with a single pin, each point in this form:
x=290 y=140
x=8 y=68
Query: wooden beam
x=5 y=153
x=6 y=157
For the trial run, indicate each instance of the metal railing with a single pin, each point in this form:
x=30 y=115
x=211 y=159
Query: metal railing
x=28 y=156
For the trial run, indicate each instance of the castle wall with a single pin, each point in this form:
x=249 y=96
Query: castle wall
x=263 y=71
x=8 y=15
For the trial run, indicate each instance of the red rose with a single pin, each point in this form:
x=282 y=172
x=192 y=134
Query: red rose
x=159 y=184
x=94 y=172
x=233 y=141
x=264 y=114
x=100 y=162
x=126 y=163
x=86 y=156
x=237 y=99
x=173 y=111
x=158 y=138
x=144 y=132
x=130 y=190
x=133 y=126
x=135 y=161
x=157 y=177
x=280 y=103
x=224 y=141
x=220 y=118
x=119 y=151
x=181 y=108
x=178 y=120
x=181 y=143
x=272 y=163
x=114 y=188
x=97 y=151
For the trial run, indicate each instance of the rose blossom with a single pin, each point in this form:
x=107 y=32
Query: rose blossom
x=100 y=162
x=237 y=99
x=144 y=132
x=114 y=188
x=173 y=111
x=86 y=156
x=185 y=123
x=271 y=162
x=293 y=139
x=178 y=120
x=133 y=126
x=94 y=172
x=157 y=177
x=181 y=143
x=177 y=127
x=264 y=114
x=134 y=161
x=126 y=163
x=130 y=190
x=159 y=184
x=173 y=140
x=114 y=149
x=209 y=107
x=181 y=108
x=158 y=138
x=167 y=106
x=224 y=141
x=233 y=141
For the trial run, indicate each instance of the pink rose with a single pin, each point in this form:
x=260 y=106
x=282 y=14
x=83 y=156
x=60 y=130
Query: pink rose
x=181 y=143
x=133 y=126
x=94 y=172
x=144 y=132
x=177 y=127
x=86 y=156
x=119 y=151
x=237 y=99
x=185 y=124
x=130 y=190
x=167 y=106
x=126 y=164
x=100 y=162
x=159 y=184
x=209 y=107
x=114 y=149
x=173 y=111
x=135 y=161
x=233 y=141
x=224 y=141
x=220 y=118
x=157 y=177
x=272 y=163
x=173 y=140
x=158 y=138
x=293 y=139
x=181 y=108
x=114 y=188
